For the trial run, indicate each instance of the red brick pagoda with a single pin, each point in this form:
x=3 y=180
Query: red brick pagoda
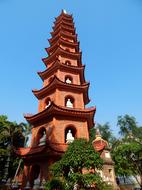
x=62 y=116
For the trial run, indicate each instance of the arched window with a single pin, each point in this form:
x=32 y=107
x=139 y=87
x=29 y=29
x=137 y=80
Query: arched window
x=41 y=137
x=67 y=62
x=47 y=102
x=69 y=102
x=68 y=79
x=70 y=134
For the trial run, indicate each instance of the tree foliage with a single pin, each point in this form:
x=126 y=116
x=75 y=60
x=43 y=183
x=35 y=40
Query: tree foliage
x=12 y=136
x=56 y=184
x=127 y=152
x=77 y=166
x=129 y=127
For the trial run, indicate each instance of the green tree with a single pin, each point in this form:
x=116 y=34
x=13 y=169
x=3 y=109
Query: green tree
x=11 y=137
x=128 y=126
x=73 y=167
x=56 y=184
x=127 y=152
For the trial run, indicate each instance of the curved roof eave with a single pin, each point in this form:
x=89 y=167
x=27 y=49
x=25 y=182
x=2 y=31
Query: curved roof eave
x=55 y=82
x=59 y=50
x=62 y=41
x=58 y=64
x=74 y=113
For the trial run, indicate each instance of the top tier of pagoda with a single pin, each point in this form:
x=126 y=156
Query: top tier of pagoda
x=63 y=41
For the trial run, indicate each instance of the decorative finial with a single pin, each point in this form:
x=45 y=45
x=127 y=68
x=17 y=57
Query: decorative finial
x=98 y=134
x=64 y=11
x=97 y=131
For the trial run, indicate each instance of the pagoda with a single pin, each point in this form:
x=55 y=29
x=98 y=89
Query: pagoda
x=62 y=115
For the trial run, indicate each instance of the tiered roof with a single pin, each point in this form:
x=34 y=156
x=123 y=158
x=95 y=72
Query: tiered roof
x=62 y=31
x=59 y=51
x=63 y=35
x=61 y=41
x=64 y=28
x=56 y=83
x=58 y=65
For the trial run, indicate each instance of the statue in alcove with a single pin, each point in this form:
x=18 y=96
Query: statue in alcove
x=68 y=80
x=48 y=103
x=42 y=140
x=69 y=137
x=69 y=104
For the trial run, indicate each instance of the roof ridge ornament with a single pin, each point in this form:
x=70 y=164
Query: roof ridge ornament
x=64 y=11
x=98 y=134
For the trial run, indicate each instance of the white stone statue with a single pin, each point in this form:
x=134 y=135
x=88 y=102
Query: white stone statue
x=69 y=138
x=68 y=81
x=69 y=104
x=42 y=140
x=48 y=104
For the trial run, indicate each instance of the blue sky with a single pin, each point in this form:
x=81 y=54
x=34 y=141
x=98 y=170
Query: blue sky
x=110 y=35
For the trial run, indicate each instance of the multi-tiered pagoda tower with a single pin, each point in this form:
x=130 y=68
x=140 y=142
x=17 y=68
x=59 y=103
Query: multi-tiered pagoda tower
x=62 y=115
